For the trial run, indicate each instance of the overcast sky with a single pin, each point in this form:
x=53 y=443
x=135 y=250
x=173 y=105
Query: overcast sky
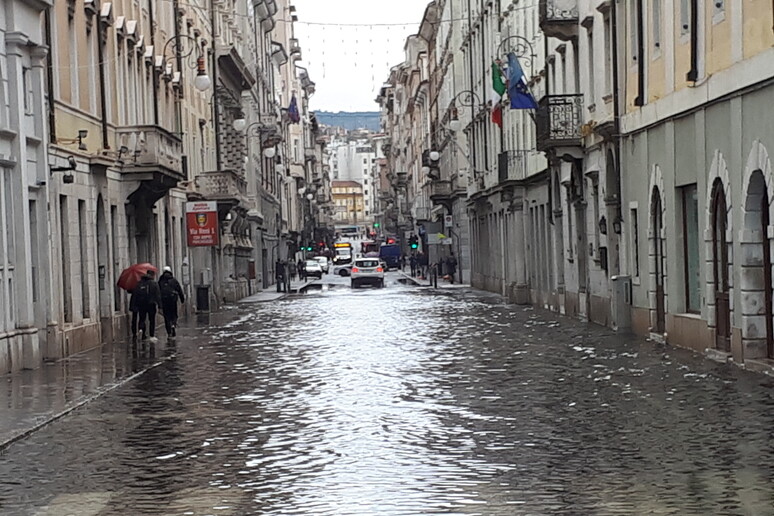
x=350 y=63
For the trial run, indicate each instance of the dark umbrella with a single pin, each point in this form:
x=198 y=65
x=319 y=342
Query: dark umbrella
x=130 y=277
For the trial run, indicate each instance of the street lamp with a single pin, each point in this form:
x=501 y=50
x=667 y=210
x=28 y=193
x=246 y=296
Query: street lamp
x=270 y=152
x=202 y=81
x=239 y=124
x=435 y=155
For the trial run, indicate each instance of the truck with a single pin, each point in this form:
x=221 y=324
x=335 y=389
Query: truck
x=391 y=254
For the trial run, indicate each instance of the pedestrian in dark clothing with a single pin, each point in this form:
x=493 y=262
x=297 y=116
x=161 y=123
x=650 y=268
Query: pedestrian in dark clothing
x=171 y=291
x=403 y=262
x=424 y=262
x=279 y=275
x=301 y=270
x=413 y=262
x=145 y=300
x=451 y=267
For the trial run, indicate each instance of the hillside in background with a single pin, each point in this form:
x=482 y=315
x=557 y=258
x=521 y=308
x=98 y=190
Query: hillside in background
x=350 y=120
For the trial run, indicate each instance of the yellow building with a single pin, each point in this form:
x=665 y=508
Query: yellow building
x=696 y=136
x=348 y=201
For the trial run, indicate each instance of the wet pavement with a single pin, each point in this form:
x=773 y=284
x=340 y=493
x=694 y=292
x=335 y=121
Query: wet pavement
x=406 y=401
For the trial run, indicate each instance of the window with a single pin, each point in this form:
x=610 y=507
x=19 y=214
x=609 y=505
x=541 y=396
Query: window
x=685 y=17
x=690 y=201
x=27 y=87
x=64 y=225
x=635 y=242
x=590 y=53
x=656 y=22
x=83 y=249
x=34 y=254
x=608 y=49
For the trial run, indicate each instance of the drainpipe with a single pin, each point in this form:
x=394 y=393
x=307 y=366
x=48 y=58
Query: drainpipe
x=473 y=106
x=640 y=100
x=616 y=101
x=215 y=107
x=179 y=60
x=153 y=72
x=50 y=78
x=693 y=73
x=102 y=83
x=483 y=75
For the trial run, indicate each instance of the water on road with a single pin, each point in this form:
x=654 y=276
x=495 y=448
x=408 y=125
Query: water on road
x=402 y=401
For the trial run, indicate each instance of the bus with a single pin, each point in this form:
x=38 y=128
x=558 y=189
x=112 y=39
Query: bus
x=348 y=231
x=342 y=253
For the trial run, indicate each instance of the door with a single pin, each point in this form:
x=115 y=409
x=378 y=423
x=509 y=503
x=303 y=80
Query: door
x=720 y=269
x=767 y=274
x=659 y=259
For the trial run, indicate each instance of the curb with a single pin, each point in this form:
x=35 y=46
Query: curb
x=415 y=281
x=80 y=403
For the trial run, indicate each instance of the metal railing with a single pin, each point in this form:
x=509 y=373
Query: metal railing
x=559 y=121
x=512 y=166
x=150 y=146
x=559 y=18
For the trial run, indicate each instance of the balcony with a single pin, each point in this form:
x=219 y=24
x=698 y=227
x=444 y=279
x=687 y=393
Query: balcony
x=511 y=166
x=441 y=191
x=227 y=187
x=559 y=121
x=151 y=149
x=559 y=18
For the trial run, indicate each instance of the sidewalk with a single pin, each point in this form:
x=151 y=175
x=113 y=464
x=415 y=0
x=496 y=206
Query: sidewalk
x=442 y=283
x=271 y=294
x=34 y=398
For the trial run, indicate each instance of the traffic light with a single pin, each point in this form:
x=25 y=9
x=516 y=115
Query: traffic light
x=376 y=224
x=309 y=248
x=414 y=242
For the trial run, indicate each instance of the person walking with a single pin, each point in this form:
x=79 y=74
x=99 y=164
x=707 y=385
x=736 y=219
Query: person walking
x=145 y=300
x=413 y=264
x=451 y=267
x=424 y=263
x=279 y=275
x=301 y=270
x=171 y=291
x=402 y=262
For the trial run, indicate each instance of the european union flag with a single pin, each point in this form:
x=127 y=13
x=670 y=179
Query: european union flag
x=520 y=96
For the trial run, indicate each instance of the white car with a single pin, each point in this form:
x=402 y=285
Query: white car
x=324 y=263
x=342 y=270
x=312 y=268
x=367 y=271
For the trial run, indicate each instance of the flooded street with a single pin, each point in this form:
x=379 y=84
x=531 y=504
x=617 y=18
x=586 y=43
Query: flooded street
x=406 y=401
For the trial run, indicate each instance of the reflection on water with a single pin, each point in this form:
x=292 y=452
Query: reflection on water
x=401 y=402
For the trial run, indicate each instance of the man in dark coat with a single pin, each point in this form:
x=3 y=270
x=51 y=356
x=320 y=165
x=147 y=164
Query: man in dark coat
x=146 y=298
x=451 y=266
x=171 y=291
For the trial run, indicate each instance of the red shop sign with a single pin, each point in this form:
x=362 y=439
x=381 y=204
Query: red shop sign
x=202 y=222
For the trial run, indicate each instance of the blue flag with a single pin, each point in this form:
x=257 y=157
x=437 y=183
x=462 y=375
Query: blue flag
x=518 y=92
x=293 y=113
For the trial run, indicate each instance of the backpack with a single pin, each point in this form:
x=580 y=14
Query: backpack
x=142 y=293
x=168 y=290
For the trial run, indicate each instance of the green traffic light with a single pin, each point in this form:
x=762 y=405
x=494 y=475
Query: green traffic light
x=376 y=224
x=414 y=246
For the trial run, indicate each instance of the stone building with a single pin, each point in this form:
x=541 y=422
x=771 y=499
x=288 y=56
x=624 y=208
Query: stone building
x=349 y=202
x=26 y=296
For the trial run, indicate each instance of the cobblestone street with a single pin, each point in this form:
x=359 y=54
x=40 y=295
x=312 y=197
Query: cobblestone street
x=406 y=401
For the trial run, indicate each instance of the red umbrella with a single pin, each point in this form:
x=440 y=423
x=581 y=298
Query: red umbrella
x=130 y=277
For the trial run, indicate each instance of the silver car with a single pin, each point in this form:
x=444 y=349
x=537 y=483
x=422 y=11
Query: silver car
x=367 y=271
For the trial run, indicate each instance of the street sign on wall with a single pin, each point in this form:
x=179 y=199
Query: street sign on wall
x=202 y=223
x=448 y=221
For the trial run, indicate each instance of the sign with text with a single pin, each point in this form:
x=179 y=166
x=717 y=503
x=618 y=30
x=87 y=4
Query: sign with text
x=202 y=223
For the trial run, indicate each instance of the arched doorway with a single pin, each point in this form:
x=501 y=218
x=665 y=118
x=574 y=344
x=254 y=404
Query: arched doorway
x=757 y=286
x=720 y=268
x=658 y=313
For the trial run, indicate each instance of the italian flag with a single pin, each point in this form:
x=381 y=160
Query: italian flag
x=498 y=90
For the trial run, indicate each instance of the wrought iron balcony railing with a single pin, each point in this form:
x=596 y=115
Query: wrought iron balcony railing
x=512 y=166
x=559 y=18
x=559 y=121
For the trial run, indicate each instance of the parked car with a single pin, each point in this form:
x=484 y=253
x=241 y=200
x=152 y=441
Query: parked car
x=342 y=270
x=312 y=268
x=367 y=271
x=324 y=263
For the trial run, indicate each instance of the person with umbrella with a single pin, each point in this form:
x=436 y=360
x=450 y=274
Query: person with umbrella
x=146 y=297
x=171 y=291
